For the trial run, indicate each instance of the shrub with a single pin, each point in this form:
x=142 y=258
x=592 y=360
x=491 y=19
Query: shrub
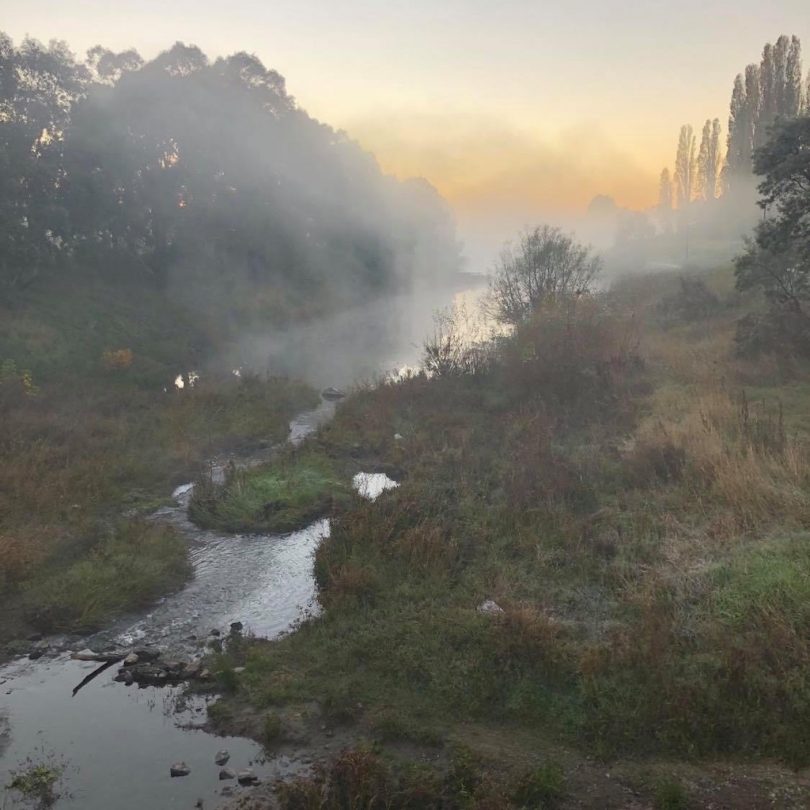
x=670 y=795
x=546 y=267
x=693 y=301
x=117 y=359
x=542 y=788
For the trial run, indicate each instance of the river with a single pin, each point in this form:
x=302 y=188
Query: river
x=115 y=742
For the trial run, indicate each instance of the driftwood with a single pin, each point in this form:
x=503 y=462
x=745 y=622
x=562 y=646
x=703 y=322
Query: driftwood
x=96 y=672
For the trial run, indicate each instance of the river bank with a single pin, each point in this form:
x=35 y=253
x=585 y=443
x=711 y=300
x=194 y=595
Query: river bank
x=108 y=732
x=588 y=591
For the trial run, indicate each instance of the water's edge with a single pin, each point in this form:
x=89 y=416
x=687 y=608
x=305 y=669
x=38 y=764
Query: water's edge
x=116 y=742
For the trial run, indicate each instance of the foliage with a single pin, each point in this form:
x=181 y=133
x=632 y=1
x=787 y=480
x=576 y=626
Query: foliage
x=546 y=267
x=778 y=262
x=459 y=345
x=116 y=167
x=693 y=301
x=542 y=788
x=670 y=795
x=647 y=547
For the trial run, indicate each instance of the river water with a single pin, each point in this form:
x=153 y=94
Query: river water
x=117 y=742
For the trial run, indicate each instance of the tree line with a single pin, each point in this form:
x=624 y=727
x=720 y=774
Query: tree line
x=762 y=95
x=198 y=172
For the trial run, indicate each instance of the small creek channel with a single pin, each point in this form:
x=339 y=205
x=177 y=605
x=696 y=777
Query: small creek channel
x=116 y=741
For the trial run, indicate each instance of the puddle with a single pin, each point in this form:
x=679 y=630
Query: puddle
x=372 y=485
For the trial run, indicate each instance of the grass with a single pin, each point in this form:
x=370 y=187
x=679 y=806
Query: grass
x=136 y=563
x=640 y=514
x=92 y=428
x=283 y=496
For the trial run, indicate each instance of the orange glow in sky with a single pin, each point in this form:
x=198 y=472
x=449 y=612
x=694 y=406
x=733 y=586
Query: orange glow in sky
x=527 y=106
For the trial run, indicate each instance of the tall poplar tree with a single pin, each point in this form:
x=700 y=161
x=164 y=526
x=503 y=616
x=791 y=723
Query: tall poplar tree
x=685 y=167
x=793 y=80
x=665 y=200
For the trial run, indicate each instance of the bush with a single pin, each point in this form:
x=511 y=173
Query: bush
x=670 y=796
x=781 y=331
x=547 y=267
x=542 y=788
x=693 y=301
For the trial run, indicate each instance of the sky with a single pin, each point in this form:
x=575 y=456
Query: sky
x=516 y=110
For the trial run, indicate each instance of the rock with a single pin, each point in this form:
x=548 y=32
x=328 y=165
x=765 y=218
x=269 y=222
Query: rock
x=146 y=654
x=125 y=676
x=205 y=675
x=489 y=607
x=221 y=757
x=227 y=773
x=226 y=791
x=179 y=769
x=247 y=777
x=398 y=437
x=149 y=674
x=101 y=658
x=193 y=669
x=236 y=628
x=238 y=670
x=35 y=637
x=34 y=654
x=131 y=660
x=215 y=632
x=331 y=393
x=84 y=655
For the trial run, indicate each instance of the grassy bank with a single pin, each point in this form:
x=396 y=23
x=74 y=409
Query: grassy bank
x=639 y=510
x=282 y=496
x=93 y=428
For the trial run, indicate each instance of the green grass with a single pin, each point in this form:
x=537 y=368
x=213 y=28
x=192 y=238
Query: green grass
x=770 y=579
x=283 y=496
x=136 y=563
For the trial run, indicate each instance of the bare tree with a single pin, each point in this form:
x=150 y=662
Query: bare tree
x=546 y=265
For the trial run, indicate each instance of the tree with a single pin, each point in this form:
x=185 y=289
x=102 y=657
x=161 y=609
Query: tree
x=778 y=261
x=546 y=266
x=665 y=200
x=767 y=108
x=793 y=80
x=709 y=161
x=685 y=168
x=737 y=160
x=807 y=95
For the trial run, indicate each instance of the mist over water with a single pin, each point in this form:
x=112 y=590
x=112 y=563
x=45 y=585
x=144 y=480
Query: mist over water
x=360 y=344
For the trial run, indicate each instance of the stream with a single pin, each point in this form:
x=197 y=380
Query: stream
x=117 y=742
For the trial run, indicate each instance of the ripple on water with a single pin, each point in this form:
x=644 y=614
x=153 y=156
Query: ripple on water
x=119 y=741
